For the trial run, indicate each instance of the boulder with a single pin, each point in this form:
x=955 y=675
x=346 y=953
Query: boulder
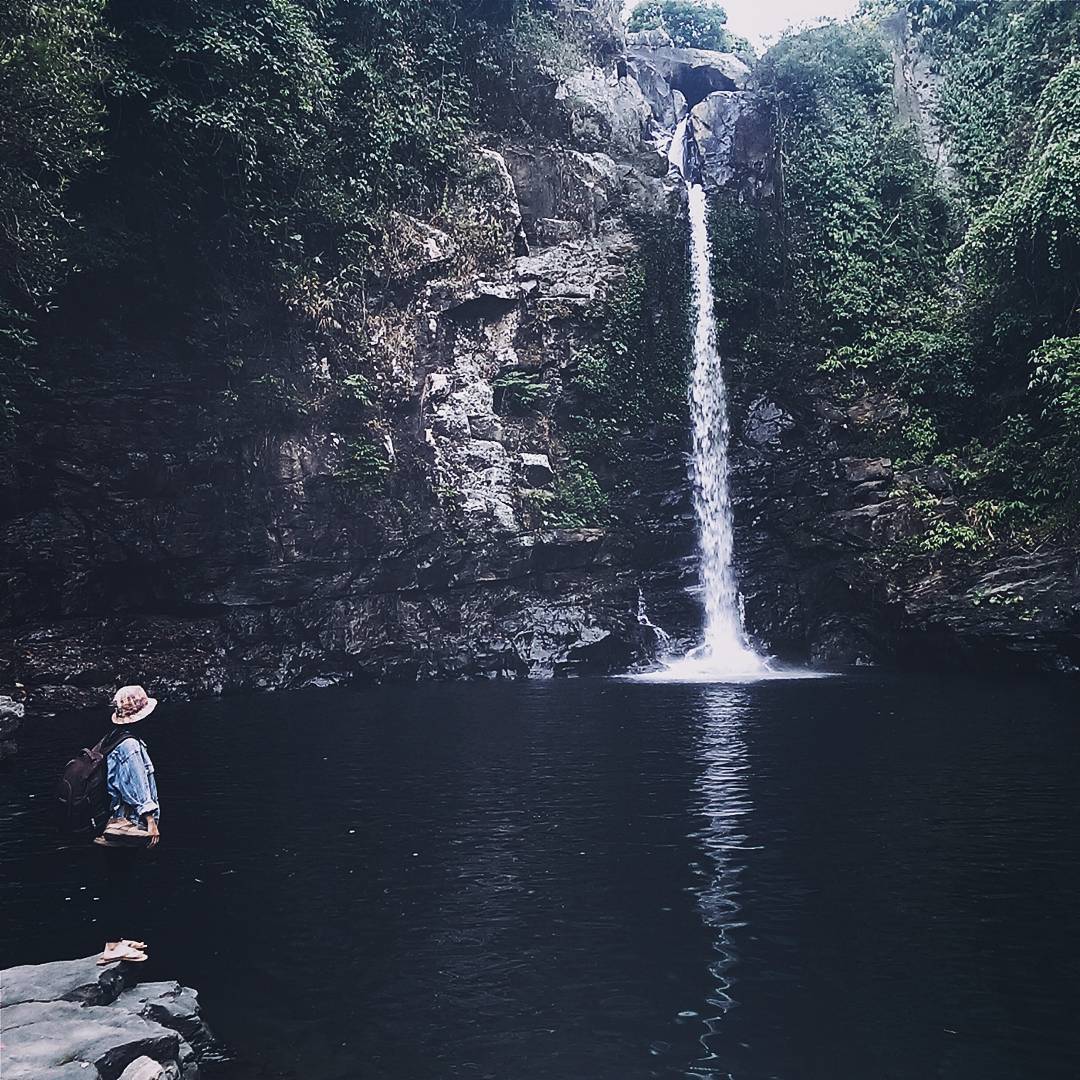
x=171 y=1005
x=606 y=112
x=695 y=73
x=11 y=718
x=42 y=1035
x=144 y=1068
x=860 y=470
x=734 y=140
x=557 y=230
x=563 y=185
x=82 y=981
x=877 y=411
x=74 y=1018
x=765 y=423
x=496 y=188
x=11 y=715
x=668 y=105
x=537 y=469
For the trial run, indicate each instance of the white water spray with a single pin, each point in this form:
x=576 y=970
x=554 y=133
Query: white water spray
x=725 y=649
x=724 y=652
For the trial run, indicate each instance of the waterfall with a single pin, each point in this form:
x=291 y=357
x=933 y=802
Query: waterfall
x=724 y=651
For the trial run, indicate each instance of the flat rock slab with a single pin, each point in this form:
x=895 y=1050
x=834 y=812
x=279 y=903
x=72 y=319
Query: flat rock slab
x=64 y=980
x=74 y=1018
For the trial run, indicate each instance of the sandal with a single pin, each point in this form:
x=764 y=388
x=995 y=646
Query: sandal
x=122 y=951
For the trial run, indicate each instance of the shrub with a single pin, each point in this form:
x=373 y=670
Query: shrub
x=521 y=391
x=360 y=389
x=365 y=464
x=576 y=501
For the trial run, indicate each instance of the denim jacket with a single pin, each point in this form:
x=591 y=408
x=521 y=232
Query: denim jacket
x=132 y=787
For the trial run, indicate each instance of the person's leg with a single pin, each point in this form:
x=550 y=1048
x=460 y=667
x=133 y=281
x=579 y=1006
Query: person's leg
x=117 y=902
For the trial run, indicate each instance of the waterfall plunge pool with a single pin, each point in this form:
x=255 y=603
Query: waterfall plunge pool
x=855 y=877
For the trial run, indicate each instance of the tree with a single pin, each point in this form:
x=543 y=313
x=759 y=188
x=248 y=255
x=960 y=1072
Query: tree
x=691 y=24
x=50 y=128
x=1021 y=256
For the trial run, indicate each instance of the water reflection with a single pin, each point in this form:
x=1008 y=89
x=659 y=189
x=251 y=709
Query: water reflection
x=723 y=800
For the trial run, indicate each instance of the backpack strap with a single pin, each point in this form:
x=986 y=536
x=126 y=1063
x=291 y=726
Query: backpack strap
x=111 y=741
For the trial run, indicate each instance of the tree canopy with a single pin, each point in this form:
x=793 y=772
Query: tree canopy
x=215 y=154
x=955 y=295
x=691 y=24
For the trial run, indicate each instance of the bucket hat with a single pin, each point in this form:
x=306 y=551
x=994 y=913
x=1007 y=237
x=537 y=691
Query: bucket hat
x=130 y=704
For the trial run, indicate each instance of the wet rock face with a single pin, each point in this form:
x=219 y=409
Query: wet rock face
x=147 y=541
x=819 y=534
x=11 y=717
x=732 y=131
x=73 y=1018
x=695 y=73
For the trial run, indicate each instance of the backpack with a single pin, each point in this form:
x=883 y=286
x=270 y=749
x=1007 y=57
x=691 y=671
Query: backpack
x=83 y=791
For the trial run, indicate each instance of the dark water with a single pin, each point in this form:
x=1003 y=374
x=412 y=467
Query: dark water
x=598 y=879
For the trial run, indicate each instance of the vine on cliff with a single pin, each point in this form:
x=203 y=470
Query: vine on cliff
x=953 y=299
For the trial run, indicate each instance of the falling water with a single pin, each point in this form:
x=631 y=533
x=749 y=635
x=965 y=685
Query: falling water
x=724 y=652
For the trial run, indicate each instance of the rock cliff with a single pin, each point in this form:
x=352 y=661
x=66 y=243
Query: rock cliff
x=394 y=526
x=151 y=535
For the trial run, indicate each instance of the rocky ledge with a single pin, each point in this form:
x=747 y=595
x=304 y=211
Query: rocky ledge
x=73 y=1018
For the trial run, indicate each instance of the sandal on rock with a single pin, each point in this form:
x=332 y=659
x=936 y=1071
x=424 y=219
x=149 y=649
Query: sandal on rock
x=122 y=831
x=122 y=951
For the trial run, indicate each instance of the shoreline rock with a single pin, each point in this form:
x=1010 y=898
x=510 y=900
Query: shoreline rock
x=73 y=1018
x=11 y=718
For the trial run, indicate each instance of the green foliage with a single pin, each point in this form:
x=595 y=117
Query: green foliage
x=50 y=128
x=995 y=58
x=938 y=296
x=943 y=535
x=1010 y=87
x=1021 y=256
x=50 y=134
x=360 y=389
x=691 y=24
x=747 y=269
x=1056 y=380
x=229 y=169
x=920 y=436
x=366 y=466
x=514 y=63
x=280 y=132
x=633 y=371
x=866 y=228
x=576 y=501
x=521 y=391
x=1055 y=383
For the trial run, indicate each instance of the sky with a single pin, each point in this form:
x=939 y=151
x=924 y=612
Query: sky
x=762 y=21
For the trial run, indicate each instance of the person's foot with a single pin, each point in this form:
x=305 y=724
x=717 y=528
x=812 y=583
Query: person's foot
x=126 y=832
x=122 y=950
